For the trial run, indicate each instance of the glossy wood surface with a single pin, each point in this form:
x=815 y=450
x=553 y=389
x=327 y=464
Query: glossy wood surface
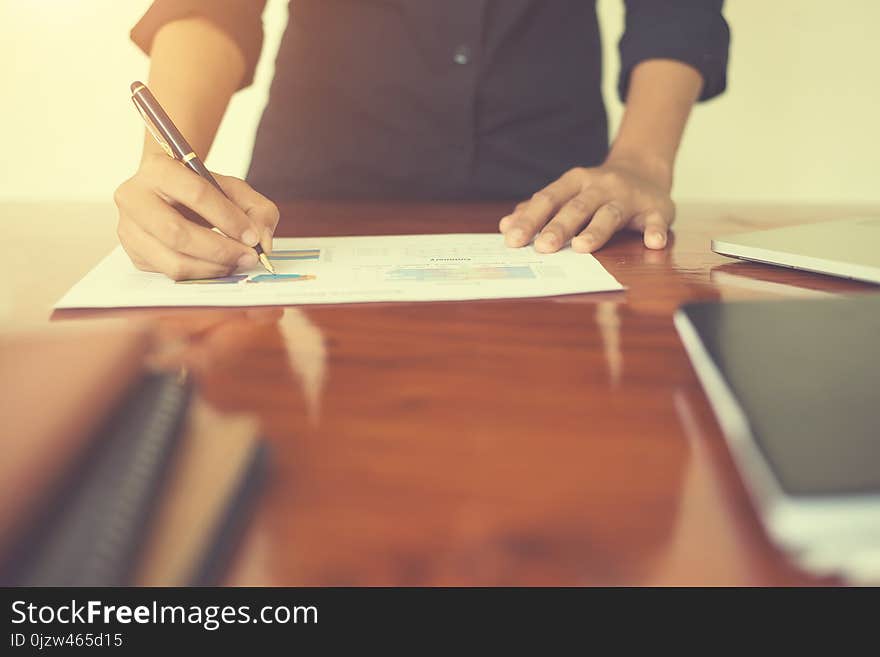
x=559 y=441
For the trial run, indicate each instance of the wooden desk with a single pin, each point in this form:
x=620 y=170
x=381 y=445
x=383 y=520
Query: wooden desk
x=549 y=441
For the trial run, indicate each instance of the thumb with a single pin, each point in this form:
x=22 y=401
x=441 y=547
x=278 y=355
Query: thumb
x=655 y=226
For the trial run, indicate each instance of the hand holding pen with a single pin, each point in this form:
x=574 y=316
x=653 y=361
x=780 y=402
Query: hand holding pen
x=159 y=238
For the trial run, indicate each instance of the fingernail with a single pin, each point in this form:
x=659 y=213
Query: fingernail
x=516 y=236
x=267 y=241
x=656 y=240
x=583 y=242
x=545 y=242
x=249 y=237
x=247 y=261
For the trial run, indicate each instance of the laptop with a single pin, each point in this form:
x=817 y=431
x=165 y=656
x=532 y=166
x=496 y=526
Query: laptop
x=795 y=386
x=848 y=248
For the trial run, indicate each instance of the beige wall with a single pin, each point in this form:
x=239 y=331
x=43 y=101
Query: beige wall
x=798 y=123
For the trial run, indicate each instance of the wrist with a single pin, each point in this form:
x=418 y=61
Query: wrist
x=650 y=165
x=151 y=151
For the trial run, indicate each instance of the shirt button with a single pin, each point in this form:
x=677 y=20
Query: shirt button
x=462 y=55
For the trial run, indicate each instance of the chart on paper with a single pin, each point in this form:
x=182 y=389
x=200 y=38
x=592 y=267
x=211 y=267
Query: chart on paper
x=356 y=270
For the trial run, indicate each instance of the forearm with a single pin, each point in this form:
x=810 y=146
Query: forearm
x=194 y=70
x=661 y=95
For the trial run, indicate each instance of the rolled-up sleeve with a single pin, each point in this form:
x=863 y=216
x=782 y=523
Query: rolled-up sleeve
x=691 y=31
x=240 y=19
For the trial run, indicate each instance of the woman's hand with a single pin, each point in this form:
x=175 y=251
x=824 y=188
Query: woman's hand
x=589 y=205
x=159 y=238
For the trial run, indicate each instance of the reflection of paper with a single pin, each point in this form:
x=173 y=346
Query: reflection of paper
x=307 y=354
x=357 y=269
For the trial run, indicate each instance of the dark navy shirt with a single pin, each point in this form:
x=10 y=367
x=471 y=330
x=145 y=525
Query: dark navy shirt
x=448 y=99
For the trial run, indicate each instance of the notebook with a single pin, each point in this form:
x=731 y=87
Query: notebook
x=56 y=387
x=110 y=474
x=94 y=527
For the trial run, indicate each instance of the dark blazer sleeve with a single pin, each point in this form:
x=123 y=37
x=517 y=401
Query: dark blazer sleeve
x=240 y=19
x=690 y=31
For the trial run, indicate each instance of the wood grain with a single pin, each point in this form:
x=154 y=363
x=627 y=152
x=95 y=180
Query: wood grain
x=555 y=441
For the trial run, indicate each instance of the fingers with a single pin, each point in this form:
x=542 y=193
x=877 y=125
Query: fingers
x=520 y=227
x=570 y=218
x=506 y=221
x=168 y=226
x=596 y=201
x=178 y=183
x=656 y=229
x=260 y=209
x=149 y=254
x=605 y=222
x=158 y=237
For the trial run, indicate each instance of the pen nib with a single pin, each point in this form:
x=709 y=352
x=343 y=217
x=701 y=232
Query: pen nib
x=268 y=265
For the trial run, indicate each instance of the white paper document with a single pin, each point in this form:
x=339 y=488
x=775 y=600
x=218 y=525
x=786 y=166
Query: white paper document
x=356 y=269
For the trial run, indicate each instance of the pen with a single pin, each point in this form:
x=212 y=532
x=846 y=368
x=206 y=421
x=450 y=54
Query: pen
x=173 y=143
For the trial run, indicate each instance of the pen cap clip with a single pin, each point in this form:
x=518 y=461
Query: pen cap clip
x=152 y=128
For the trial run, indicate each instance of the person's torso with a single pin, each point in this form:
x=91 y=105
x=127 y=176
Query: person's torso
x=427 y=99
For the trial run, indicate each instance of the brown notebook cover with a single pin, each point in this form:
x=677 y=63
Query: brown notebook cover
x=56 y=387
